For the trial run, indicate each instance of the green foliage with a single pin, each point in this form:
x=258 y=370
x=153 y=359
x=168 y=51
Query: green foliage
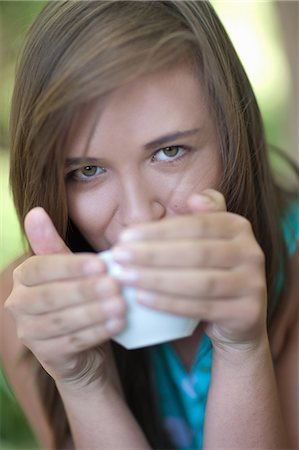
x=15 y=431
x=11 y=243
x=15 y=19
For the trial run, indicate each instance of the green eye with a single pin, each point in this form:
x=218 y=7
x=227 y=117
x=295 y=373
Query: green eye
x=89 y=171
x=170 y=151
x=170 y=154
x=86 y=173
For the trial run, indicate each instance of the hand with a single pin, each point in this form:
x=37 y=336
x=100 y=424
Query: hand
x=206 y=264
x=65 y=305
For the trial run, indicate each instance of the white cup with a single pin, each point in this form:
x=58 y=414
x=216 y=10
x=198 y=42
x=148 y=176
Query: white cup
x=146 y=326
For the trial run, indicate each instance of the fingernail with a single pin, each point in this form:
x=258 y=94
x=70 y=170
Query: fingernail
x=130 y=235
x=204 y=199
x=145 y=297
x=112 y=307
x=114 y=325
x=124 y=274
x=92 y=266
x=120 y=254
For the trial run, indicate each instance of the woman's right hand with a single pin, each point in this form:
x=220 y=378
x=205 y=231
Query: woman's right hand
x=65 y=305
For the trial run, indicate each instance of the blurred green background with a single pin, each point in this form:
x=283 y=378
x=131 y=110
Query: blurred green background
x=265 y=35
x=15 y=18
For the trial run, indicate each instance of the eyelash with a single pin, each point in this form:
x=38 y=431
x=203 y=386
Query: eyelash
x=75 y=175
x=175 y=158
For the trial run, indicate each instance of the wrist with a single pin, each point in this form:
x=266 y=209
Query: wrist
x=82 y=387
x=242 y=353
x=104 y=379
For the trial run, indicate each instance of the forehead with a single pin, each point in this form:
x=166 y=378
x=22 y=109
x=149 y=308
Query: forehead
x=168 y=100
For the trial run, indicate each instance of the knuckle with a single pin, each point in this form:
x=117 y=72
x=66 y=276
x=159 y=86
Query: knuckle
x=17 y=274
x=147 y=258
x=99 y=335
x=209 y=284
x=72 y=266
x=257 y=256
x=221 y=198
x=74 y=343
x=83 y=290
x=46 y=296
x=242 y=224
x=121 y=306
x=89 y=314
x=260 y=286
x=205 y=308
x=35 y=271
x=155 y=279
x=59 y=324
x=201 y=255
x=21 y=333
x=249 y=250
x=199 y=225
x=105 y=286
x=253 y=313
x=12 y=303
x=218 y=197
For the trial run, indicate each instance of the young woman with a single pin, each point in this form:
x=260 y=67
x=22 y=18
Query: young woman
x=135 y=128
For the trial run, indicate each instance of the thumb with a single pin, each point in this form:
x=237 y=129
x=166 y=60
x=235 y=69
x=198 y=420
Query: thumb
x=208 y=200
x=41 y=233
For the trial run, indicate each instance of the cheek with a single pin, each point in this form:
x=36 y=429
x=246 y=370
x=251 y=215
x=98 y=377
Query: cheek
x=91 y=216
x=204 y=173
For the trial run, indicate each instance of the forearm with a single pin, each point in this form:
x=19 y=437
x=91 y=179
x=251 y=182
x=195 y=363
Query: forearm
x=243 y=410
x=100 y=419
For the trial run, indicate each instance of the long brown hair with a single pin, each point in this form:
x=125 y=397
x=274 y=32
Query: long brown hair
x=77 y=52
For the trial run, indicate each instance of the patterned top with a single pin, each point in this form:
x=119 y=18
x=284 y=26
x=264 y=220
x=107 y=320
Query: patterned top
x=181 y=396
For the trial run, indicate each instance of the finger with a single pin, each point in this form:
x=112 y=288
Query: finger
x=223 y=225
x=41 y=269
x=78 y=341
x=208 y=200
x=207 y=283
x=205 y=309
x=41 y=233
x=207 y=253
x=68 y=321
x=48 y=297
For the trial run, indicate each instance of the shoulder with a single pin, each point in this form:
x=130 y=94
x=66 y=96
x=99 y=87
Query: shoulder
x=20 y=371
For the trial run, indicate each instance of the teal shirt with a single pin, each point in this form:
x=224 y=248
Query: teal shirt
x=181 y=396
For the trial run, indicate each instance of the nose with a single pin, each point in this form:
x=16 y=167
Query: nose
x=139 y=202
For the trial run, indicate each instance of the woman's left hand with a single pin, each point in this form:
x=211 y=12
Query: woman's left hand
x=206 y=265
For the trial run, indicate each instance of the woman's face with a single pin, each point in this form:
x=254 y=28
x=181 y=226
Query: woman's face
x=154 y=145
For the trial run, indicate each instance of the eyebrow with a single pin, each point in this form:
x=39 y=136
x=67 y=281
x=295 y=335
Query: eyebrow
x=171 y=137
x=81 y=160
x=155 y=143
